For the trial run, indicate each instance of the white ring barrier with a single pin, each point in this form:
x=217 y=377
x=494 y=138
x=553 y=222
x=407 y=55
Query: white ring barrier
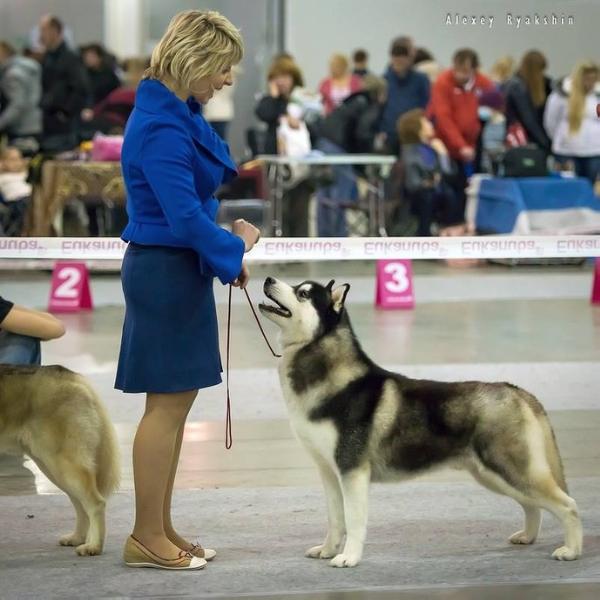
x=356 y=248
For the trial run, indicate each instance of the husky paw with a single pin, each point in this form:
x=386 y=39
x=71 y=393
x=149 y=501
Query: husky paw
x=89 y=550
x=565 y=553
x=520 y=537
x=344 y=560
x=71 y=540
x=320 y=552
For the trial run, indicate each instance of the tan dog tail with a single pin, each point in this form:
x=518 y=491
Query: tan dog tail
x=550 y=445
x=553 y=454
x=108 y=473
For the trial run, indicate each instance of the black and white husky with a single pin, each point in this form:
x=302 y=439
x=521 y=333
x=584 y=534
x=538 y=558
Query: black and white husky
x=361 y=423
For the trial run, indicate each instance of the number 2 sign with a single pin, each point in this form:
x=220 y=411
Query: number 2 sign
x=70 y=290
x=394 y=284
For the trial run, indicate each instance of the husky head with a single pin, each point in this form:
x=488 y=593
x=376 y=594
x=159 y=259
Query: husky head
x=305 y=311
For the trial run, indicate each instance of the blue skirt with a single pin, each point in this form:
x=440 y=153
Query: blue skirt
x=170 y=340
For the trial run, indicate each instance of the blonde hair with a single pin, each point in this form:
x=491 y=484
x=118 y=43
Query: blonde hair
x=503 y=68
x=340 y=60
x=576 y=104
x=376 y=86
x=196 y=44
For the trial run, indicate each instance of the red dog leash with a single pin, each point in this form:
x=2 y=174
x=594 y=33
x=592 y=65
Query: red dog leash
x=228 y=433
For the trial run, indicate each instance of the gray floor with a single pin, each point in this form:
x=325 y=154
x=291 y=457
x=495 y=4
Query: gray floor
x=260 y=503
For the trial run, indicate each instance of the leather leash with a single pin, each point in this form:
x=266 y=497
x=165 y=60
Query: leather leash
x=228 y=432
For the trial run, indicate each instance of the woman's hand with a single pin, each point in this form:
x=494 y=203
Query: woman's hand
x=467 y=154
x=248 y=232
x=243 y=278
x=273 y=89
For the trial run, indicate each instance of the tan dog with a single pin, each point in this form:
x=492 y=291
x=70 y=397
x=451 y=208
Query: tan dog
x=55 y=417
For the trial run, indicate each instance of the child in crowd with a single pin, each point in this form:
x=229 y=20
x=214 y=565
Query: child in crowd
x=15 y=191
x=426 y=167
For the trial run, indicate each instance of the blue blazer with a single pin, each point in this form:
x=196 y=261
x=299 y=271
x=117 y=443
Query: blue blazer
x=173 y=162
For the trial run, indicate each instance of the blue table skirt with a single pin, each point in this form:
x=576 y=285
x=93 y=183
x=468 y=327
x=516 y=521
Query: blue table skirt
x=511 y=205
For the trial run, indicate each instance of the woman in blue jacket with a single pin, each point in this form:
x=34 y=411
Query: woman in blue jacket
x=172 y=164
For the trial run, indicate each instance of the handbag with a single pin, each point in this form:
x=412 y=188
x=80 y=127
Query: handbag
x=516 y=136
x=107 y=147
x=524 y=161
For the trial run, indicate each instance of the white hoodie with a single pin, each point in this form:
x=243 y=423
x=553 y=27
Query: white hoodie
x=586 y=142
x=14 y=186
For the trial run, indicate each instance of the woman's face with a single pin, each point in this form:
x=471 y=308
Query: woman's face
x=203 y=89
x=337 y=68
x=91 y=59
x=285 y=84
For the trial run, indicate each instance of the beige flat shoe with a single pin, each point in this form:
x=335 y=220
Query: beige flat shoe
x=137 y=555
x=200 y=552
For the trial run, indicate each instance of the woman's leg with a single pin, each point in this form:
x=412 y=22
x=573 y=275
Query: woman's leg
x=154 y=449
x=591 y=168
x=167 y=522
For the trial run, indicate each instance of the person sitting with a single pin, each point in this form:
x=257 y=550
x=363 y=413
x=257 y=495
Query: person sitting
x=101 y=71
x=111 y=115
x=21 y=330
x=427 y=167
x=15 y=191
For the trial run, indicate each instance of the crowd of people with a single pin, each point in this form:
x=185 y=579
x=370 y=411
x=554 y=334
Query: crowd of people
x=442 y=124
x=53 y=99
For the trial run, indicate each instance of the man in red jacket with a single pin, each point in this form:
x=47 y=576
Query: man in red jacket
x=454 y=104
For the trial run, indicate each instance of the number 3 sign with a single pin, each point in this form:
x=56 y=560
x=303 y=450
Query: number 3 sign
x=70 y=291
x=394 y=284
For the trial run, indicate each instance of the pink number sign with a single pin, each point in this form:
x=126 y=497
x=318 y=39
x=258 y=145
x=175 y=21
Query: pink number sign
x=394 y=284
x=596 y=285
x=70 y=290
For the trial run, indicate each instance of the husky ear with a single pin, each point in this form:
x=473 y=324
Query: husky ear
x=338 y=296
x=329 y=286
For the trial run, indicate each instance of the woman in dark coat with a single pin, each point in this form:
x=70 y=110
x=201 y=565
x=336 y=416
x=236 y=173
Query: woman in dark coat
x=526 y=96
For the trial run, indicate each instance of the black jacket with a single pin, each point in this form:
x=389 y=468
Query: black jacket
x=520 y=108
x=353 y=124
x=102 y=82
x=65 y=90
x=268 y=110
